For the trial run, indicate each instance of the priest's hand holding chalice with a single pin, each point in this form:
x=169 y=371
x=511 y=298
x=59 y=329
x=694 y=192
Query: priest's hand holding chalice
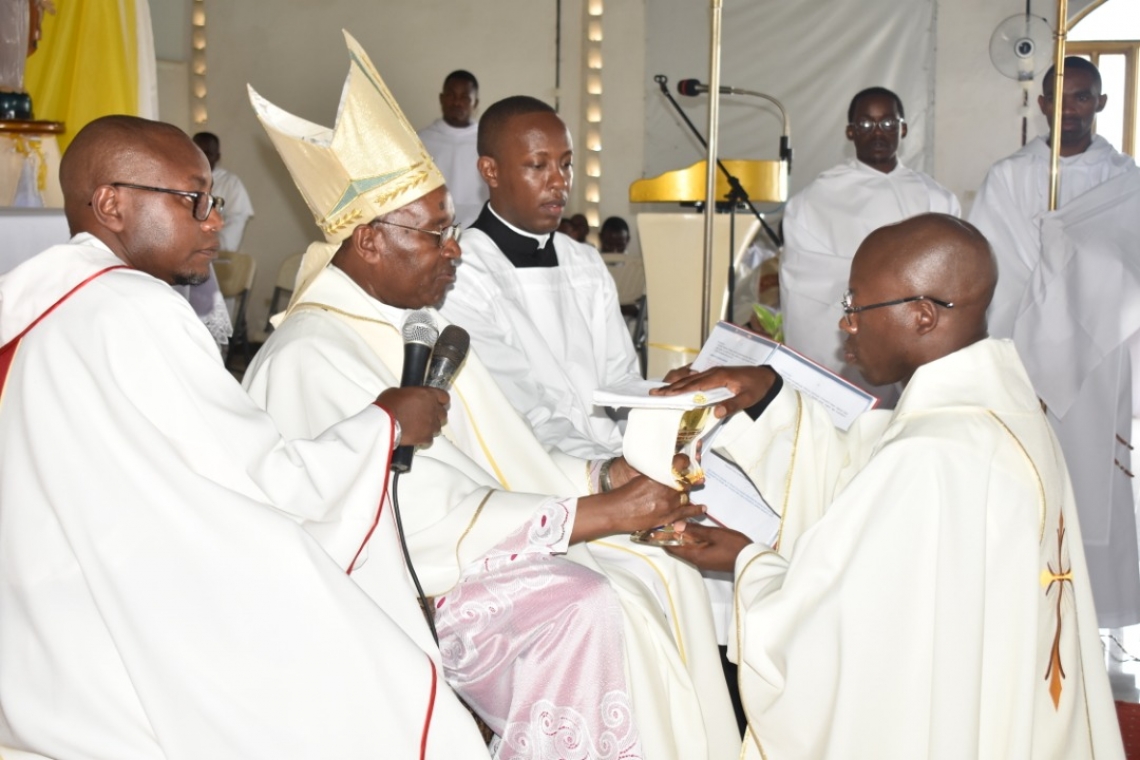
x=706 y=547
x=662 y=441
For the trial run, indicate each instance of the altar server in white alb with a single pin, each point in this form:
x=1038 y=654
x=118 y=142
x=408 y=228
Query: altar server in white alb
x=1078 y=328
x=451 y=142
x=542 y=309
x=929 y=597
x=1015 y=194
x=1071 y=315
x=179 y=581
x=826 y=221
x=551 y=653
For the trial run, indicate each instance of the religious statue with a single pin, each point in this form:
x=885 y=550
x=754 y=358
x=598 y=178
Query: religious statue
x=19 y=37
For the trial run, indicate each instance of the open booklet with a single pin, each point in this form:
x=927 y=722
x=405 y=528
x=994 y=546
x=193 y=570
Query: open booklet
x=731 y=498
x=634 y=394
x=730 y=345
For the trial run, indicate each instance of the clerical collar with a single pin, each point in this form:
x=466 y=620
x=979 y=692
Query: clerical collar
x=523 y=249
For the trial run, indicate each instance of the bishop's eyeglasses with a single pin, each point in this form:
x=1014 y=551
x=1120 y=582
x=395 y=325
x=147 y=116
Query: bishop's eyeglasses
x=848 y=309
x=444 y=234
x=888 y=125
x=202 y=203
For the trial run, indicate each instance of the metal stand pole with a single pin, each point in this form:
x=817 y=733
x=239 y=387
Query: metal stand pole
x=710 y=182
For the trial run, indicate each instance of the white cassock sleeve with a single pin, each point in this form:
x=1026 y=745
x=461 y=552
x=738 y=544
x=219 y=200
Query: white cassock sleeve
x=798 y=458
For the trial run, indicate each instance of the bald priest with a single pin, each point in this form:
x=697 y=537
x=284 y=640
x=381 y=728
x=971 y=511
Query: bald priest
x=160 y=596
x=929 y=597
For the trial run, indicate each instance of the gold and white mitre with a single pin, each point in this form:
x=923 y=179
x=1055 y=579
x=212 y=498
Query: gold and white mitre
x=370 y=163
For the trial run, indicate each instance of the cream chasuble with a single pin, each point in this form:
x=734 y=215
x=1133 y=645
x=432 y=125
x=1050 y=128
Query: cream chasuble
x=160 y=599
x=679 y=699
x=1082 y=305
x=930 y=597
x=824 y=225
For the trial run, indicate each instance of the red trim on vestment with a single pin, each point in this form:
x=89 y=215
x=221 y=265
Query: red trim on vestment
x=352 y=565
x=383 y=494
x=8 y=350
x=431 y=709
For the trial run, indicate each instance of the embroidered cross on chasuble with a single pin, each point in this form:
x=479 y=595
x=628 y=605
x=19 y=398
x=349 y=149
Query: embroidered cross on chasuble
x=1055 y=580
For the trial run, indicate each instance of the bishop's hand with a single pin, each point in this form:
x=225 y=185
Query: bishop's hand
x=421 y=412
x=638 y=504
x=621 y=471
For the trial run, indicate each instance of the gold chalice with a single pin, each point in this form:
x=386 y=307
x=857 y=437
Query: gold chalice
x=688 y=433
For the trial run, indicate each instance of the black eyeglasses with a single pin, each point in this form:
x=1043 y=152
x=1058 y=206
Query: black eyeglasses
x=889 y=124
x=444 y=234
x=848 y=309
x=204 y=203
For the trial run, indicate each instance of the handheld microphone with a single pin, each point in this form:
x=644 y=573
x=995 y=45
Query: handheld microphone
x=420 y=335
x=447 y=356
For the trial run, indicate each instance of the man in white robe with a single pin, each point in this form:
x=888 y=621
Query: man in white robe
x=1015 y=194
x=451 y=142
x=1083 y=304
x=929 y=597
x=541 y=308
x=826 y=221
x=1090 y=417
x=178 y=579
x=475 y=487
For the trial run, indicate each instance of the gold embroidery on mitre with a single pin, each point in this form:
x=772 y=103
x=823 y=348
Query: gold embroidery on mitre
x=348 y=219
x=370 y=163
x=403 y=186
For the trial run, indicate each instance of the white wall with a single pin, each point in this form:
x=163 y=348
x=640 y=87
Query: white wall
x=623 y=106
x=978 y=111
x=174 y=94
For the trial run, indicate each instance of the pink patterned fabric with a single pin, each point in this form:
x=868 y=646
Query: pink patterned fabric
x=533 y=643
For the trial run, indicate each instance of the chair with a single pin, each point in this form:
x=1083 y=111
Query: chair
x=629 y=276
x=283 y=289
x=235 y=273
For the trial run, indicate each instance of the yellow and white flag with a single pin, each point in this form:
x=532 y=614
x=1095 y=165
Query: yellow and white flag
x=96 y=58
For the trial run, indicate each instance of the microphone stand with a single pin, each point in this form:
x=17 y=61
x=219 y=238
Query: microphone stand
x=736 y=195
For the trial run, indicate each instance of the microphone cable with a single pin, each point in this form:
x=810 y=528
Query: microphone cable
x=425 y=605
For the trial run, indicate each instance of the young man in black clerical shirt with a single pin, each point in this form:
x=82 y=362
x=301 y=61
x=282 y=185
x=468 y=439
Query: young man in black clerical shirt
x=542 y=308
